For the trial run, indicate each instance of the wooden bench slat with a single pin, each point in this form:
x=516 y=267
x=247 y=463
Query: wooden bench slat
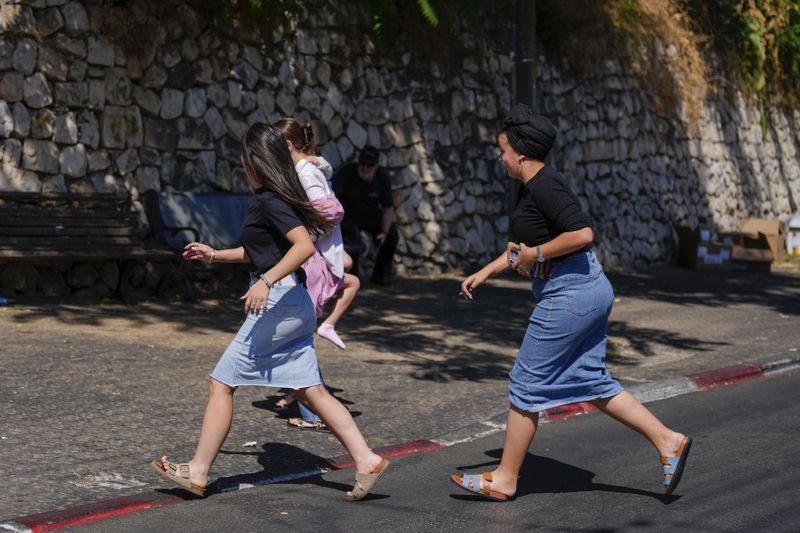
x=20 y=196
x=68 y=213
x=93 y=254
x=49 y=231
x=65 y=240
x=73 y=222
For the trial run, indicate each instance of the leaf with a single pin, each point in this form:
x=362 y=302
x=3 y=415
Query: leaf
x=428 y=12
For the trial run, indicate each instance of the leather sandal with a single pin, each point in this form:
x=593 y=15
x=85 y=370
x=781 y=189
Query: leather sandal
x=178 y=473
x=301 y=424
x=366 y=482
x=474 y=483
x=673 y=465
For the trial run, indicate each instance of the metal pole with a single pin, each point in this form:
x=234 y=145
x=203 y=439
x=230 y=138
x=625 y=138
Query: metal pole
x=523 y=55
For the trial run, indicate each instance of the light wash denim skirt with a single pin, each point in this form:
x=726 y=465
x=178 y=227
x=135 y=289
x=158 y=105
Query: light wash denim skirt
x=275 y=348
x=562 y=358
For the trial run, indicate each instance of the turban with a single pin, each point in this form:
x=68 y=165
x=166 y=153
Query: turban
x=529 y=134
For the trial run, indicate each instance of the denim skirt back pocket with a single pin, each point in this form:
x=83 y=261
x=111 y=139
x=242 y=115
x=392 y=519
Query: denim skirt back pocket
x=581 y=297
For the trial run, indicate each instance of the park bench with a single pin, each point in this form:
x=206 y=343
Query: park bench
x=96 y=226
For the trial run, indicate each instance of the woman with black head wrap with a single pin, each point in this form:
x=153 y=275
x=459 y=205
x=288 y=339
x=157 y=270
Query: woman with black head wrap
x=562 y=357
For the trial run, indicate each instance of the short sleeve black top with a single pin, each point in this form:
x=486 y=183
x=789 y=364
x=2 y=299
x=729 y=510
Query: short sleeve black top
x=363 y=202
x=546 y=208
x=266 y=223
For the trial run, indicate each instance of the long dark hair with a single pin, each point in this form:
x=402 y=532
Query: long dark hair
x=267 y=160
x=301 y=136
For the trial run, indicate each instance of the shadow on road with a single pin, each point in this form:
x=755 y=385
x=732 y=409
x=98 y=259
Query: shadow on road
x=544 y=475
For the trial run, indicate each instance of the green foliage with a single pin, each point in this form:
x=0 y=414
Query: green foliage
x=428 y=12
x=386 y=19
x=759 y=40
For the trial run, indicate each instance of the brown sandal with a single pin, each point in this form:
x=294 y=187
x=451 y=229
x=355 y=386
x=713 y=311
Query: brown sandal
x=177 y=473
x=366 y=482
x=473 y=483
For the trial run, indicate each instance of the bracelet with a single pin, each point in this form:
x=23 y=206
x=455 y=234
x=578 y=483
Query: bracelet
x=263 y=278
x=213 y=253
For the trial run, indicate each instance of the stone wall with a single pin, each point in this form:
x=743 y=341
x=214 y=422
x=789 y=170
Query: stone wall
x=79 y=113
x=638 y=171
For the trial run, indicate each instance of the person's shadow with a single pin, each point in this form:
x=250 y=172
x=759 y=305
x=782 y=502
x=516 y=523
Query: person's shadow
x=281 y=463
x=268 y=404
x=544 y=475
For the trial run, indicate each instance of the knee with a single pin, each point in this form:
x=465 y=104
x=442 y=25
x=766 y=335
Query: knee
x=348 y=262
x=352 y=281
x=309 y=394
x=218 y=388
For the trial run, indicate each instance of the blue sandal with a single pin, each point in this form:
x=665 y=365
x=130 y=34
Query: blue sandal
x=673 y=465
x=472 y=483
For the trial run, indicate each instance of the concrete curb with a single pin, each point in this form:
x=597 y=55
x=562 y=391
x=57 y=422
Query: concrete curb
x=650 y=392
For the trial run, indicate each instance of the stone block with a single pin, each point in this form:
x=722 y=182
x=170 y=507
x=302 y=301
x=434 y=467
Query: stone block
x=72 y=161
x=24 y=58
x=100 y=52
x=66 y=129
x=11 y=86
x=194 y=134
x=88 y=129
x=36 y=91
x=122 y=127
x=72 y=94
x=171 y=104
x=40 y=156
x=160 y=134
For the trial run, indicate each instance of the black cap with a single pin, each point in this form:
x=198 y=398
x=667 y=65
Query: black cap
x=369 y=155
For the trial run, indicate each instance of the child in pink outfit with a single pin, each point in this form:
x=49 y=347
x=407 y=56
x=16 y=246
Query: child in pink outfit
x=325 y=270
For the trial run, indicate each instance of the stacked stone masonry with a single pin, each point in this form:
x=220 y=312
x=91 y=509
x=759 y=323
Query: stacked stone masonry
x=78 y=114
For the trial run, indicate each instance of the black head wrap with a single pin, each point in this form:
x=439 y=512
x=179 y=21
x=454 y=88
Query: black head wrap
x=529 y=134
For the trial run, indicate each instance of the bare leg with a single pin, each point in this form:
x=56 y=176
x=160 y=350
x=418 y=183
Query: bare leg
x=520 y=430
x=626 y=409
x=349 y=290
x=341 y=424
x=216 y=424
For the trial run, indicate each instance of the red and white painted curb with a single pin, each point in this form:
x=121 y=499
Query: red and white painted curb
x=104 y=509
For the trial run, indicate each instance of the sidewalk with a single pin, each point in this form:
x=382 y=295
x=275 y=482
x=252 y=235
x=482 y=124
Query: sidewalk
x=92 y=391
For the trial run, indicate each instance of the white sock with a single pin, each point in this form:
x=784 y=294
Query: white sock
x=327 y=331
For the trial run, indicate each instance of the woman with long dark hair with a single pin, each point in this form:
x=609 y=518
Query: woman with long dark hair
x=562 y=357
x=274 y=347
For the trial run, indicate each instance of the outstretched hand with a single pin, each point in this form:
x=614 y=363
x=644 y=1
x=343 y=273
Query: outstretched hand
x=195 y=251
x=470 y=284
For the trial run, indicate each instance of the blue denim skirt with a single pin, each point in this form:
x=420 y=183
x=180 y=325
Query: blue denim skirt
x=562 y=358
x=276 y=347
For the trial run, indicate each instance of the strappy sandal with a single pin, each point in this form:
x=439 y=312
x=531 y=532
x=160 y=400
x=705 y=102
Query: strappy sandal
x=366 y=482
x=299 y=423
x=674 y=464
x=285 y=402
x=177 y=473
x=472 y=483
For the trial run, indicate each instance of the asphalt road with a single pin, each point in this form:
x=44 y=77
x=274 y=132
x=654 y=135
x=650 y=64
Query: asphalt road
x=587 y=473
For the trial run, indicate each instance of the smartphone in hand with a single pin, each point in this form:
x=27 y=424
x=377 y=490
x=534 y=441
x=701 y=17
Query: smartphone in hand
x=513 y=255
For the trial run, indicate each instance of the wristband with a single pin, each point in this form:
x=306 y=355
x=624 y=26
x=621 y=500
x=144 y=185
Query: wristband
x=213 y=253
x=263 y=278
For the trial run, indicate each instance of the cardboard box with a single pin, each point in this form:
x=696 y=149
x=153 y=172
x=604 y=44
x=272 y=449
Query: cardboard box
x=750 y=252
x=697 y=251
x=774 y=231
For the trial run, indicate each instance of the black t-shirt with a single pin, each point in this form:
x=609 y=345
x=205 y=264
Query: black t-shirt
x=266 y=223
x=547 y=207
x=363 y=202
